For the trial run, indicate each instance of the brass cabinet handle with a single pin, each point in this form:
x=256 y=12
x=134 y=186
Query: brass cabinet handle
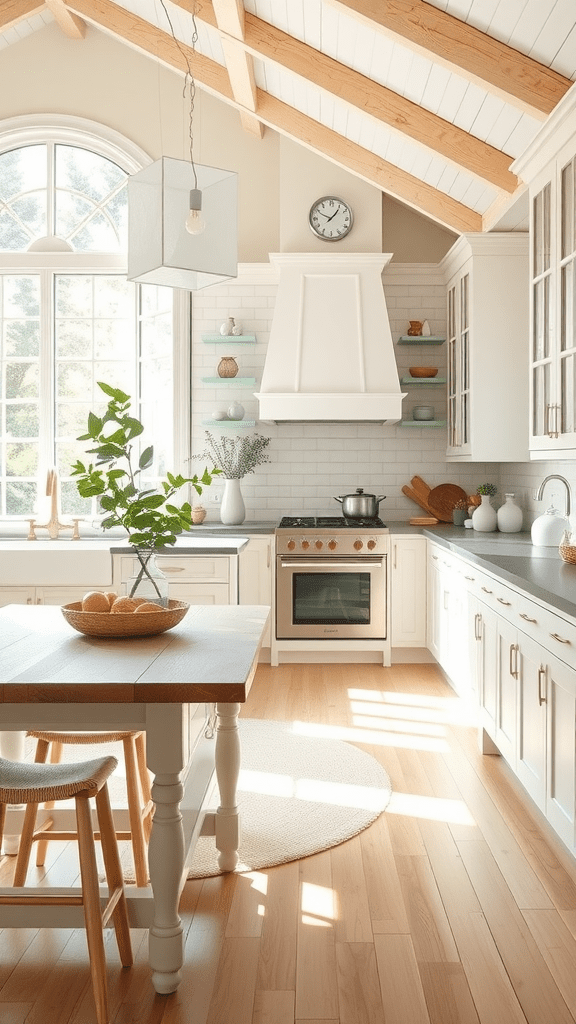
x=560 y=639
x=502 y=601
x=527 y=617
x=541 y=690
x=470 y=578
x=514 y=666
x=486 y=591
x=478 y=626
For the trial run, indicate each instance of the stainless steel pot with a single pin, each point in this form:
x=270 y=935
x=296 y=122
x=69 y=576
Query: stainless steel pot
x=360 y=505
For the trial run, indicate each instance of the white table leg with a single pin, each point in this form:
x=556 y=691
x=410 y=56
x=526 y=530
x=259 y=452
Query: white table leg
x=227 y=756
x=166 y=862
x=12 y=748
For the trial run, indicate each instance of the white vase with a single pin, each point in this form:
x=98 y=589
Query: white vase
x=484 y=517
x=509 y=516
x=232 y=509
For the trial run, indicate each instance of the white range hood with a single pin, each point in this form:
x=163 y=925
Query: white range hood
x=330 y=356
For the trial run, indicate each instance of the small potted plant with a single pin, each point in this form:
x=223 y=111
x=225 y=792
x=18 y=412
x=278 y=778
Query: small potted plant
x=484 y=517
x=460 y=512
x=148 y=515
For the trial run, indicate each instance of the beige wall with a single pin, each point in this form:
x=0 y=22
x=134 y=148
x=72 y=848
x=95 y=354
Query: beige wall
x=106 y=81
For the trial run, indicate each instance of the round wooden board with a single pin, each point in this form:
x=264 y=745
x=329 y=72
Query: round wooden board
x=442 y=500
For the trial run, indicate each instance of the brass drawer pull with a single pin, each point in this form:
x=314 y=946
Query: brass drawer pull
x=527 y=617
x=541 y=689
x=560 y=639
x=502 y=601
x=486 y=591
x=470 y=578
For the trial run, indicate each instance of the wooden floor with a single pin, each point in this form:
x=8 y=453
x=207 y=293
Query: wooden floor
x=454 y=906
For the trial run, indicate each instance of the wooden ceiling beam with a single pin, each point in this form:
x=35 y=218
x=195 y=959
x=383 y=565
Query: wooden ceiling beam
x=71 y=25
x=213 y=77
x=466 y=50
x=13 y=11
x=230 y=17
x=461 y=148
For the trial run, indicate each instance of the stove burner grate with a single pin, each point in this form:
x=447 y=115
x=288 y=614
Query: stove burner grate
x=329 y=523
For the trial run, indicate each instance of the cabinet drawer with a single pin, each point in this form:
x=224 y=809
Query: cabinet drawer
x=495 y=594
x=184 y=568
x=556 y=634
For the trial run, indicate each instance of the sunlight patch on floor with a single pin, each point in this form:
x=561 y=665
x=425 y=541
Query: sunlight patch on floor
x=314 y=790
x=318 y=905
x=454 y=812
x=456 y=713
x=374 y=737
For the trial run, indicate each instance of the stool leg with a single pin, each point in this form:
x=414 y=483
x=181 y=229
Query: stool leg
x=114 y=875
x=25 y=847
x=145 y=784
x=55 y=757
x=134 y=810
x=92 y=911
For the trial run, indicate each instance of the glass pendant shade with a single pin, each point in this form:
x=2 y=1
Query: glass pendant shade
x=160 y=249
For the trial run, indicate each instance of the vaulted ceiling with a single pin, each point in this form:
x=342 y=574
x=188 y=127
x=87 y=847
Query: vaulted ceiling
x=429 y=100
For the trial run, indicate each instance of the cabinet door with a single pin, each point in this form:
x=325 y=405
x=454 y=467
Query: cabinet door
x=16 y=595
x=507 y=674
x=531 y=746
x=255 y=576
x=459 y=366
x=561 y=766
x=488 y=667
x=434 y=592
x=200 y=593
x=61 y=595
x=408 y=592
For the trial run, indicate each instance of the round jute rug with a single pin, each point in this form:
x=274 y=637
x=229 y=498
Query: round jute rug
x=298 y=793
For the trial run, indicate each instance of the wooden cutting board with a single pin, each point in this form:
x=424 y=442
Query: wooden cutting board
x=411 y=493
x=442 y=499
x=421 y=487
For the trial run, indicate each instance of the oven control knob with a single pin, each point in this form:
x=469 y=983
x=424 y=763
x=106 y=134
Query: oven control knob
x=358 y=545
x=305 y=545
x=332 y=544
x=291 y=545
x=371 y=545
x=319 y=544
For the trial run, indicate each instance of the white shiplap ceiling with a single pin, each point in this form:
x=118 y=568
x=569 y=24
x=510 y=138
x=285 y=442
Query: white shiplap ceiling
x=429 y=100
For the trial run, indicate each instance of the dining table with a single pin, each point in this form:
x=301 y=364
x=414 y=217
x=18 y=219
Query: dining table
x=184 y=688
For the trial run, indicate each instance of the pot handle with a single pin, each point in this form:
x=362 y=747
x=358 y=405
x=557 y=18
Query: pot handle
x=338 y=499
x=381 y=497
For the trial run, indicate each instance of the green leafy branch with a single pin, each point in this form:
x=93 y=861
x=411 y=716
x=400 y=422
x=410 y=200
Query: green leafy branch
x=149 y=516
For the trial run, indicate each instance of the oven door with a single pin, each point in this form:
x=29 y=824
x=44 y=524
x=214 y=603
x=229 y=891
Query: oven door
x=331 y=598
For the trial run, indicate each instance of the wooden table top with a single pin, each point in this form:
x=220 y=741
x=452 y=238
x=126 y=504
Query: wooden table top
x=211 y=655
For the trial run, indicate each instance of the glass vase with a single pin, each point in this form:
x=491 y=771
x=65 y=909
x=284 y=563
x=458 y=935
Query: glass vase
x=147 y=580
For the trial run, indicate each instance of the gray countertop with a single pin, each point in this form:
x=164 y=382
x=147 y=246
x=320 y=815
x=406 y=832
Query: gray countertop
x=540 y=572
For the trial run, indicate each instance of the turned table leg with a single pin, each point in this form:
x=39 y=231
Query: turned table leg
x=166 y=863
x=227 y=756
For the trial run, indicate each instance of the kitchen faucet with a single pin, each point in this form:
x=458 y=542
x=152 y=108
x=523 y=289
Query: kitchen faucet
x=555 y=476
x=53 y=525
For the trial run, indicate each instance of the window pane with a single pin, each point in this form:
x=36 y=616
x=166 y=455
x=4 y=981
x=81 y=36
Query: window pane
x=87 y=173
x=91 y=200
x=23 y=177
x=73 y=296
x=20 y=497
x=22 y=380
x=96 y=235
x=22 y=459
x=22 y=420
x=73 y=339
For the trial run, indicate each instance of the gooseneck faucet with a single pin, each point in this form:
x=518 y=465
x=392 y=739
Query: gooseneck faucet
x=54 y=526
x=555 y=476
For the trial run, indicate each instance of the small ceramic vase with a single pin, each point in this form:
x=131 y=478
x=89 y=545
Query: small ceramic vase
x=219 y=414
x=237 y=330
x=426 y=332
x=459 y=516
x=509 y=516
x=227 y=367
x=415 y=329
x=198 y=514
x=232 y=508
x=235 y=411
x=484 y=517
x=227 y=327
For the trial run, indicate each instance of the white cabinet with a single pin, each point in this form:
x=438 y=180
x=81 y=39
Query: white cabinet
x=487 y=316
x=255 y=575
x=553 y=300
x=447 y=616
x=408 y=591
x=198 y=579
x=43 y=595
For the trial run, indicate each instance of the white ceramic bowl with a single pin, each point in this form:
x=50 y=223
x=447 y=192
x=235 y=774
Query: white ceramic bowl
x=423 y=412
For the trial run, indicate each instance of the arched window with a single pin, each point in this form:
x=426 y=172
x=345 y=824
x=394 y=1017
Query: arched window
x=68 y=316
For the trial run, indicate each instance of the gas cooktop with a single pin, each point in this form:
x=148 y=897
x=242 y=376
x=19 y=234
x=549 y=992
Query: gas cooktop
x=329 y=523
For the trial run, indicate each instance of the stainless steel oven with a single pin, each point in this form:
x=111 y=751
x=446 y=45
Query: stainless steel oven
x=331 y=579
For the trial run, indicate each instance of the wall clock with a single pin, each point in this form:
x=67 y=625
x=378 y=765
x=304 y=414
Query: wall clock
x=330 y=218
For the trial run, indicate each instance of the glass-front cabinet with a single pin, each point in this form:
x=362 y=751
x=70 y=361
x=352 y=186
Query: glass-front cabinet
x=553 y=308
x=487 y=318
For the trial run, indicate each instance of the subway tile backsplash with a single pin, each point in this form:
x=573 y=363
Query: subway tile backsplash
x=310 y=463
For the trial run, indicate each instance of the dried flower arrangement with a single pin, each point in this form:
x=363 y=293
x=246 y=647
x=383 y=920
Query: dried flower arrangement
x=236 y=456
x=462 y=504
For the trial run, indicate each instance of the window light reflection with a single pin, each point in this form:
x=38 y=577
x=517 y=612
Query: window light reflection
x=453 y=812
x=319 y=903
x=314 y=790
x=376 y=737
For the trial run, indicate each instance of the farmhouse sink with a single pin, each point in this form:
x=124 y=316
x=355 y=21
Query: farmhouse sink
x=44 y=563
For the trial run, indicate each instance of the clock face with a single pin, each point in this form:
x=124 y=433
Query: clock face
x=330 y=218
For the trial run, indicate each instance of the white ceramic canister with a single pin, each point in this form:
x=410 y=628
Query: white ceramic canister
x=236 y=411
x=547 y=530
x=509 y=516
x=484 y=517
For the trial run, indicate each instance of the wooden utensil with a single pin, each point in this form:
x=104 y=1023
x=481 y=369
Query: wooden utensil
x=421 y=487
x=442 y=499
x=414 y=496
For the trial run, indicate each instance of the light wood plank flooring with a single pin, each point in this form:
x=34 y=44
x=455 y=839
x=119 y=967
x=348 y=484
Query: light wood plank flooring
x=457 y=906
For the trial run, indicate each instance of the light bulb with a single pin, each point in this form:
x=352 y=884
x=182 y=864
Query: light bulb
x=195 y=222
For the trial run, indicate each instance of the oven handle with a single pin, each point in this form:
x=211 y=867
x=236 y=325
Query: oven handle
x=312 y=563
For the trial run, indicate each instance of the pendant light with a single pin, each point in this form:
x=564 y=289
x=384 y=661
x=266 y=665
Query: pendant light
x=182 y=216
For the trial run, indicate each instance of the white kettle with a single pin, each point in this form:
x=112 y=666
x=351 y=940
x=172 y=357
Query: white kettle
x=548 y=529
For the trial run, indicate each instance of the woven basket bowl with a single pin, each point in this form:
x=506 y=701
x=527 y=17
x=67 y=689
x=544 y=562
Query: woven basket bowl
x=423 y=371
x=568 y=553
x=124 y=624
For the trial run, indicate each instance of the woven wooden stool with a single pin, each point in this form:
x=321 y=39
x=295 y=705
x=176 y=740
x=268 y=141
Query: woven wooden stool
x=32 y=784
x=140 y=806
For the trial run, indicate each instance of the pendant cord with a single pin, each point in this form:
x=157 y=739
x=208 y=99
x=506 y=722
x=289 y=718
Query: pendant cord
x=189 y=82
